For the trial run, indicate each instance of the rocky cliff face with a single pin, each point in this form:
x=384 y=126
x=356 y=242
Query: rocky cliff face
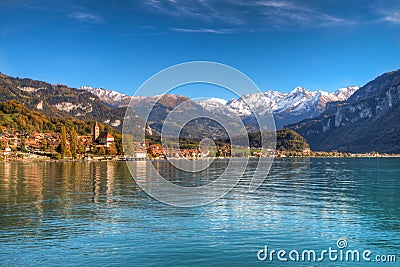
x=366 y=122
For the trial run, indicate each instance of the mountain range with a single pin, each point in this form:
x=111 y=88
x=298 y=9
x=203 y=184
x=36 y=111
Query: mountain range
x=367 y=121
x=287 y=108
x=352 y=119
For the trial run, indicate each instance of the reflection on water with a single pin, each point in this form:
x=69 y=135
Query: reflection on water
x=92 y=213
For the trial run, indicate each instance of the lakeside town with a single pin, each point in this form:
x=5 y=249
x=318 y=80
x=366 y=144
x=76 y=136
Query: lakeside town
x=56 y=145
x=53 y=145
x=102 y=145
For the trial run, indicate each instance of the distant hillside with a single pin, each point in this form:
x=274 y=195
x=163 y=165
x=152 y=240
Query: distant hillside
x=14 y=115
x=286 y=140
x=59 y=100
x=367 y=121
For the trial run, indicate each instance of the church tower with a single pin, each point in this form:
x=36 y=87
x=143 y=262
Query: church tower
x=96 y=131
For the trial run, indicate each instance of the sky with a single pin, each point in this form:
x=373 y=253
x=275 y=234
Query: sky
x=279 y=44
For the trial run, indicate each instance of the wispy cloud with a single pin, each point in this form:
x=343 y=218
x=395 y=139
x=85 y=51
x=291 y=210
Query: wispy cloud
x=250 y=14
x=86 y=17
x=203 y=10
x=286 y=14
x=215 y=31
x=155 y=32
x=391 y=16
x=71 y=9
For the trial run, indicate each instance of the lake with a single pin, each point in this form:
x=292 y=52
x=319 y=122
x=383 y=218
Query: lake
x=94 y=214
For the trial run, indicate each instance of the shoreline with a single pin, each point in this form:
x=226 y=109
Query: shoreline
x=352 y=156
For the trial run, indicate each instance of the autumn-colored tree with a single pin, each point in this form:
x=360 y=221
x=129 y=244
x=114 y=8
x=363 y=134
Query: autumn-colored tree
x=81 y=148
x=74 y=143
x=68 y=154
x=102 y=151
x=118 y=144
x=44 y=145
x=51 y=148
x=128 y=144
x=94 y=150
x=62 y=147
x=22 y=146
x=112 y=150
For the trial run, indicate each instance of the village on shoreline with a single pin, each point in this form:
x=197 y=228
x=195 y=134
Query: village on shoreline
x=31 y=157
x=100 y=146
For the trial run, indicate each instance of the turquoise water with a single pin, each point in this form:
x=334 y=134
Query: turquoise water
x=93 y=214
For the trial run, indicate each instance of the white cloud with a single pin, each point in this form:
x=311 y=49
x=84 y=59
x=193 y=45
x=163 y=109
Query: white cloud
x=244 y=14
x=392 y=16
x=86 y=17
x=203 y=10
x=215 y=31
x=284 y=13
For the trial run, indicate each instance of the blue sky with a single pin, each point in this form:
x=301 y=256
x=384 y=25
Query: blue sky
x=280 y=44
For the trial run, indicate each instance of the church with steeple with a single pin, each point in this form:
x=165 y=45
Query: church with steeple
x=103 y=138
x=96 y=131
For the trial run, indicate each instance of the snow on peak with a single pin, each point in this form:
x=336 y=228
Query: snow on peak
x=299 y=89
x=110 y=97
x=298 y=101
x=344 y=93
x=297 y=104
x=215 y=100
x=218 y=106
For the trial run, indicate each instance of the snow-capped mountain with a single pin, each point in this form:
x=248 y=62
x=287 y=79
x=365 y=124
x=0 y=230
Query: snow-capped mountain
x=110 y=97
x=287 y=108
x=218 y=106
x=298 y=101
x=367 y=121
x=345 y=93
x=214 y=100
